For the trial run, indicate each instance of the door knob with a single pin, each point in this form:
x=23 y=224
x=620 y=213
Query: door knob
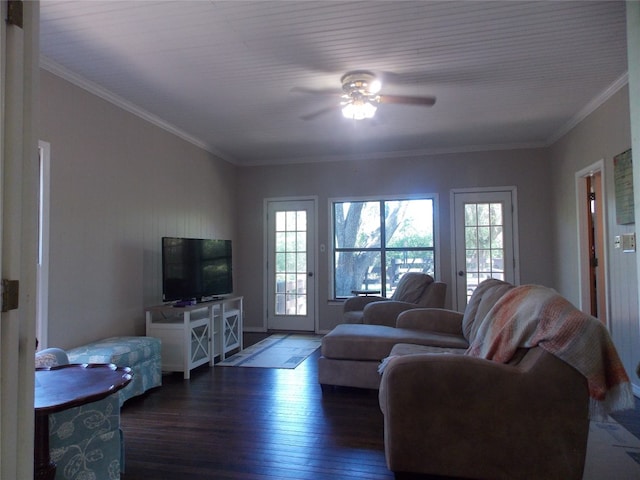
x=310 y=274
x=461 y=273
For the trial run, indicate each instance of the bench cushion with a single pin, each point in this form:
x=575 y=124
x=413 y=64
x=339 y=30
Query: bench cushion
x=141 y=354
x=122 y=351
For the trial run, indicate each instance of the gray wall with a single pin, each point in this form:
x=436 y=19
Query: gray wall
x=602 y=135
x=528 y=170
x=118 y=184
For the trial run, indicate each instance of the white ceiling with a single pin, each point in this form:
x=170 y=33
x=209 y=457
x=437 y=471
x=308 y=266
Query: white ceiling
x=506 y=74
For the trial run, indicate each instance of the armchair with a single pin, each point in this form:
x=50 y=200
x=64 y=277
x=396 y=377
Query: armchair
x=85 y=441
x=414 y=290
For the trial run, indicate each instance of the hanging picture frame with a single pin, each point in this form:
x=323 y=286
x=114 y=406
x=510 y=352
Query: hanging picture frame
x=623 y=180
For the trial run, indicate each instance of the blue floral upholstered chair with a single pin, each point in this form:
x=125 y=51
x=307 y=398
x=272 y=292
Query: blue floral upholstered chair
x=85 y=442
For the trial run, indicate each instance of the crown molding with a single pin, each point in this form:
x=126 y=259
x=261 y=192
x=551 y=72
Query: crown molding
x=589 y=108
x=91 y=87
x=398 y=154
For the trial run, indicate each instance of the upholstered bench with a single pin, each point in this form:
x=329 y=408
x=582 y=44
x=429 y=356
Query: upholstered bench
x=141 y=354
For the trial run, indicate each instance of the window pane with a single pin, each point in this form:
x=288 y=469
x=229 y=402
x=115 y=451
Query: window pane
x=472 y=260
x=470 y=214
x=356 y=271
x=291 y=241
x=409 y=223
x=484 y=237
x=301 y=262
x=357 y=224
x=496 y=237
x=496 y=214
x=280 y=241
x=291 y=262
x=471 y=237
x=399 y=263
x=301 y=241
x=483 y=213
x=291 y=220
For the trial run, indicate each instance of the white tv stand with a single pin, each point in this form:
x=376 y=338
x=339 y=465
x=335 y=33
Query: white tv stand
x=196 y=334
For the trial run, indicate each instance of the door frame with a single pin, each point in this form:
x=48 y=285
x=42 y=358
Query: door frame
x=42 y=301
x=584 y=293
x=514 y=227
x=266 y=254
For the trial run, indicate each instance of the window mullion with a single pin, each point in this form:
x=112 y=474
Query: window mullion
x=383 y=250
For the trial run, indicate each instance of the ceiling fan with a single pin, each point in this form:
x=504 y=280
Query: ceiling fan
x=360 y=97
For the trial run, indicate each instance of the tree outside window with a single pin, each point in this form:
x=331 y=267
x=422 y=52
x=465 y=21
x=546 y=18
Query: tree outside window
x=377 y=241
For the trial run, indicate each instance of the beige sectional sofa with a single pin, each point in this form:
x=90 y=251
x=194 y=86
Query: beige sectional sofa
x=504 y=391
x=351 y=353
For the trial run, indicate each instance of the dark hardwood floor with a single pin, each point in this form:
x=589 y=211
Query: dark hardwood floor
x=253 y=423
x=259 y=424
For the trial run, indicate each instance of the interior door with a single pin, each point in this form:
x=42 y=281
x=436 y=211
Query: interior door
x=484 y=226
x=291 y=265
x=18 y=236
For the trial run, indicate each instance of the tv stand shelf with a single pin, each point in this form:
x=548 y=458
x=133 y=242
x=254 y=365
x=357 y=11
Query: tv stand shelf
x=196 y=334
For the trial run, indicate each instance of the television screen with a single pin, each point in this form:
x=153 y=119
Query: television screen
x=195 y=268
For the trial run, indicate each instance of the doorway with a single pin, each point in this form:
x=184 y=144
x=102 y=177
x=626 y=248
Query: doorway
x=484 y=233
x=590 y=196
x=291 y=265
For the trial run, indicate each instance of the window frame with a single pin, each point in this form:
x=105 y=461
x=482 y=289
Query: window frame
x=382 y=198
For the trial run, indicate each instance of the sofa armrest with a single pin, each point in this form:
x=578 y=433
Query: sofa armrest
x=434 y=404
x=385 y=313
x=432 y=319
x=357 y=304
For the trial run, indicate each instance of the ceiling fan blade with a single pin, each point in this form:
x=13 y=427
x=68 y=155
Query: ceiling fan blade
x=326 y=91
x=318 y=113
x=405 y=100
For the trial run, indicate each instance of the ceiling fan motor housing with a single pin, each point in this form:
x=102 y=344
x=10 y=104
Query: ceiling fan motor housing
x=360 y=82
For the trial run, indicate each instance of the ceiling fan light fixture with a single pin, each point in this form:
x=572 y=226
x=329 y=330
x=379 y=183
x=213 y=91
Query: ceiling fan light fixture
x=358 y=110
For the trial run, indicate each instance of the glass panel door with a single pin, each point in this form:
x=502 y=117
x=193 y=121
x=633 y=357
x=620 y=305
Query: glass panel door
x=290 y=267
x=484 y=244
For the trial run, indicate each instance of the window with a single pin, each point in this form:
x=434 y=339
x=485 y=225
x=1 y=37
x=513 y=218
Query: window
x=376 y=241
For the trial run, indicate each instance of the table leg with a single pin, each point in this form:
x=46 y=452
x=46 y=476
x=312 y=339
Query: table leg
x=44 y=468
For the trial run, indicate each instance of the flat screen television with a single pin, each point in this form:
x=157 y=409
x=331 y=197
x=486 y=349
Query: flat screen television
x=194 y=268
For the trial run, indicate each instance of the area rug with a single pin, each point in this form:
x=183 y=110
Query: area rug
x=281 y=350
x=612 y=452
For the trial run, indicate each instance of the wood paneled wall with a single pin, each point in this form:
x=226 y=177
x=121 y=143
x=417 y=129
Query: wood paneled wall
x=118 y=184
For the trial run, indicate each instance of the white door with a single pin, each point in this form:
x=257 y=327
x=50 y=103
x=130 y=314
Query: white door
x=484 y=235
x=291 y=265
x=18 y=236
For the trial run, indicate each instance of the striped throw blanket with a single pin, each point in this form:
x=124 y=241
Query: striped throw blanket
x=532 y=315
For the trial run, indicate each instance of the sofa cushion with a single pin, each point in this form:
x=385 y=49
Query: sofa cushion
x=411 y=287
x=402 y=349
x=374 y=342
x=482 y=300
